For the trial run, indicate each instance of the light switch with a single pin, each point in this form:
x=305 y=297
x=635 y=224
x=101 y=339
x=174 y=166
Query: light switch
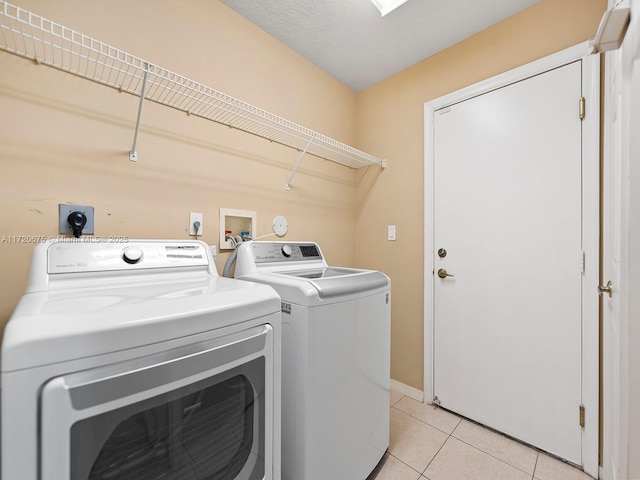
x=391 y=232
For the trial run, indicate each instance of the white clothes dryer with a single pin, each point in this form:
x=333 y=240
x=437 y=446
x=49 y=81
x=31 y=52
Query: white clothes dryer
x=136 y=361
x=335 y=359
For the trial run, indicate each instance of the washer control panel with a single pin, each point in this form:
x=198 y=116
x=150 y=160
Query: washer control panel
x=271 y=252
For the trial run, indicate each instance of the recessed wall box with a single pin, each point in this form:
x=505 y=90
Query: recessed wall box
x=234 y=223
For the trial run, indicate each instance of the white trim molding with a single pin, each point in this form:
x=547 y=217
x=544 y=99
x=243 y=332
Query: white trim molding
x=407 y=390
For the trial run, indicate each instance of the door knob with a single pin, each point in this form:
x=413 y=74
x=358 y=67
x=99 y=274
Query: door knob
x=442 y=273
x=605 y=289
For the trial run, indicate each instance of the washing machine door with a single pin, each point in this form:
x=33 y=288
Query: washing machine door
x=197 y=412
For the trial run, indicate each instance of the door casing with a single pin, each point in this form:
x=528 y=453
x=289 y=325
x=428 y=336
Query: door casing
x=621 y=262
x=590 y=229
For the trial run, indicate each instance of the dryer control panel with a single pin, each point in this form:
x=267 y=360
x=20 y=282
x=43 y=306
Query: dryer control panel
x=269 y=252
x=82 y=257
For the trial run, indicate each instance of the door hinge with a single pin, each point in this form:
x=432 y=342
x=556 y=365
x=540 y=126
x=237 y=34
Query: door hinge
x=582 y=108
x=582 y=261
x=582 y=416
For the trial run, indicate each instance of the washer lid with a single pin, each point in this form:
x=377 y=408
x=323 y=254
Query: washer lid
x=331 y=281
x=317 y=291
x=300 y=274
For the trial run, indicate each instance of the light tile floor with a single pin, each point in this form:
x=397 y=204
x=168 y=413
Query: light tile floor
x=429 y=443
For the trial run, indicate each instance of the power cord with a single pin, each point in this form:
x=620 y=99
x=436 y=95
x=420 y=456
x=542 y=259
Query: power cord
x=266 y=235
x=77 y=221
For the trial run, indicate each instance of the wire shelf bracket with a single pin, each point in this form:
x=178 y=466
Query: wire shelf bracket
x=45 y=42
x=295 y=167
x=133 y=154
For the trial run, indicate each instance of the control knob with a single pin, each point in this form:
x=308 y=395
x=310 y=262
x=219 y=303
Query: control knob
x=286 y=251
x=132 y=255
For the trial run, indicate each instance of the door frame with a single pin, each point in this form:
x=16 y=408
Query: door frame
x=621 y=423
x=590 y=225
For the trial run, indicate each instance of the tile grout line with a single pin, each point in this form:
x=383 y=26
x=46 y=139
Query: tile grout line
x=436 y=454
x=427 y=423
x=533 y=475
x=460 y=419
x=396 y=402
x=392 y=455
x=536 y=450
x=404 y=463
x=449 y=435
x=499 y=459
x=441 y=446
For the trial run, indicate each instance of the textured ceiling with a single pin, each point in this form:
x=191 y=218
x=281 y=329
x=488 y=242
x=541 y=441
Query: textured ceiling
x=351 y=41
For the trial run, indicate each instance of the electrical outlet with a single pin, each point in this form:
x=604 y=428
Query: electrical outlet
x=65 y=210
x=193 y=218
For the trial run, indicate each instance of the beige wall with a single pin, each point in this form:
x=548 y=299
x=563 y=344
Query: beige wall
x=390 y=124
x=66 y=140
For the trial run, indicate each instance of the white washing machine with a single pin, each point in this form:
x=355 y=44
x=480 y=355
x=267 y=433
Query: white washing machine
x=335 y=359
x=136 y=361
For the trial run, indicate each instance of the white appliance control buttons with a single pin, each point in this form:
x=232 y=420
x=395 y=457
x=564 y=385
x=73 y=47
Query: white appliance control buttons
x=132 y=255
x=286 y=251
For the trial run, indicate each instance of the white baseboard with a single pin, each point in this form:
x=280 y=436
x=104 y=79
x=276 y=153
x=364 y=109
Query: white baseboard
x=407 y=390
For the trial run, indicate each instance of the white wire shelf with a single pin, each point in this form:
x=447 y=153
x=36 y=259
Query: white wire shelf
x=36 y=38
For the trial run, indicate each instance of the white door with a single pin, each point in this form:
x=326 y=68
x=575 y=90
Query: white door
x=508 y=210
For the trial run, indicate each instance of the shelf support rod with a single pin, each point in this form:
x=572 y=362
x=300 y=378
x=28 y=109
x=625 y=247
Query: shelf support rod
x=295 y=168
x=133 y=154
